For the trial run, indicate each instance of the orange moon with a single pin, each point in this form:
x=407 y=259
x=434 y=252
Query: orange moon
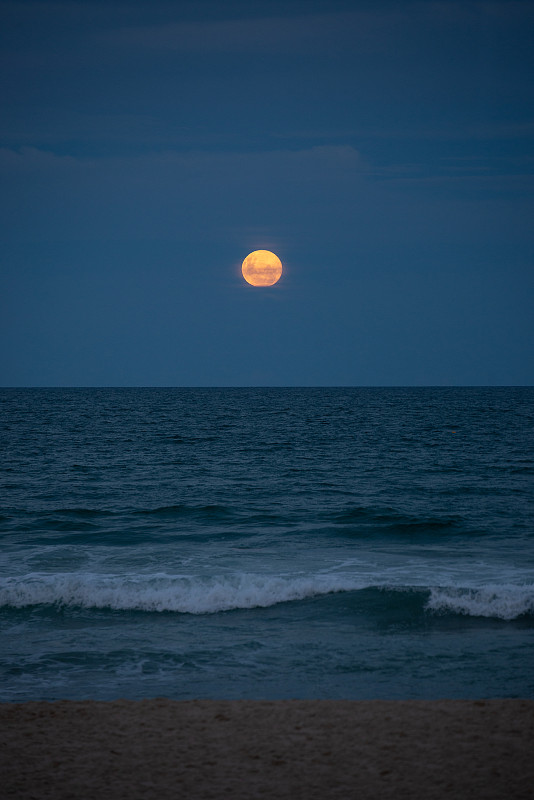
x=261 y=268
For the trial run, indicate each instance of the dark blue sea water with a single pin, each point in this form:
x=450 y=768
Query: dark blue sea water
x=267 y=543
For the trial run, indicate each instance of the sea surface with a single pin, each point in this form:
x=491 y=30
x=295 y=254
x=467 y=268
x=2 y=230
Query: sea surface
x=267 y=543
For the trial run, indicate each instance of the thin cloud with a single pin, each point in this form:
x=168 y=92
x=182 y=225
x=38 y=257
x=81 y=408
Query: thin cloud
x=452 y=131
x=303 y=34
x=380 y=29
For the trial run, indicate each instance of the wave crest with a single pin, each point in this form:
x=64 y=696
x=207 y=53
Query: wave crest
x=501 y=602
x=208 y=595
x=161 y=592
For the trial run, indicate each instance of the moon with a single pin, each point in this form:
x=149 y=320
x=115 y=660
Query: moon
x=261 y=268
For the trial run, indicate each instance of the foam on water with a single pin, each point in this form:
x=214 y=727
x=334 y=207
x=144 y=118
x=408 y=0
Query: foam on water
x=209 y=595
x=162 y=592
x=503 y=602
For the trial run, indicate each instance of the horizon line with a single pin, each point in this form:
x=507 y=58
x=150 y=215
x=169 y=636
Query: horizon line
x=282 y=386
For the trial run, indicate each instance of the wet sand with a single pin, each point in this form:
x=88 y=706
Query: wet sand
x=261 y=749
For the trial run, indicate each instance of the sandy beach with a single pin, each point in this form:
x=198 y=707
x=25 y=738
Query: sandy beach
x=270 y=749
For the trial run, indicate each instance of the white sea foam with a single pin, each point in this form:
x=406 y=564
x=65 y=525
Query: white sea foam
x=502 y=602
x=209 y=595
x=161 y=592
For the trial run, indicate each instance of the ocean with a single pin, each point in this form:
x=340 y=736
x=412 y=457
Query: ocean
x=267 y=543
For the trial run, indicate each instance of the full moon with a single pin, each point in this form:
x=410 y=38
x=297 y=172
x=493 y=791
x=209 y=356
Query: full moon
x=261 y=268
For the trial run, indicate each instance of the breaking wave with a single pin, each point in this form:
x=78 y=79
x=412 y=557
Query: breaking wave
x=501 y=602
x=161 y=592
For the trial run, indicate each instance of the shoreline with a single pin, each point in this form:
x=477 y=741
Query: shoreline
x=307 y=749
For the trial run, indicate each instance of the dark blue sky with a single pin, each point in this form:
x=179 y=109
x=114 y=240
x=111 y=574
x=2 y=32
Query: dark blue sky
x=383 y=150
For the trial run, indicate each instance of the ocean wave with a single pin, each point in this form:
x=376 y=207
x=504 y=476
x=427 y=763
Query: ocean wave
x=375 y=519
x=500 y=602
x=212 y=511
x=161 y=592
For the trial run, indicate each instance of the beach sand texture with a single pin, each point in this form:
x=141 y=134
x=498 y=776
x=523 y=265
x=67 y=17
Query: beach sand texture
x=268 y=749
